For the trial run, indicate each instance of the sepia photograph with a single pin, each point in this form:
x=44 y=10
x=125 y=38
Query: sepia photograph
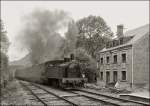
x=74 y=53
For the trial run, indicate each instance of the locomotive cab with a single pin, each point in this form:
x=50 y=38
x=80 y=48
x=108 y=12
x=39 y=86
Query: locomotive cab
x=73 y=76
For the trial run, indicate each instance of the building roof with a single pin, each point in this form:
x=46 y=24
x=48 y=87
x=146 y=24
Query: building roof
x=137 y=33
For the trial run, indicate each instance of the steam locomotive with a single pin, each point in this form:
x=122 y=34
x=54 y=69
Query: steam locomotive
x=60 y=73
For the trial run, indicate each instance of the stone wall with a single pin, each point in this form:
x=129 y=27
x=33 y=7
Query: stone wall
x=119 y=66
x=141 y=60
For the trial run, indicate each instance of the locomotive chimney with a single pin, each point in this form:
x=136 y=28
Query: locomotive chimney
x=120 y=30
x=66 y=59
x=72 y=56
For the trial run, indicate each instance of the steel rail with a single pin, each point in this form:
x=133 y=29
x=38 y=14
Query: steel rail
x=78 y=94
x=114 y=100
x=95 y=99
x=34 y=94
x=71 y=103
x=111 y=97
x=63 y=97
x=74 y=104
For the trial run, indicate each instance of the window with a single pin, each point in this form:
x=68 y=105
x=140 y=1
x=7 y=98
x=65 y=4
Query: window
x=107 y=59
x=101 y=75
x=107 y=45
x=115 y=76
x=117 y=42
x=121 y=41
x=101 y=60
x=107 y=77
x=114 y=43
x=123 y=75
x=115 y=58
x=124 y=58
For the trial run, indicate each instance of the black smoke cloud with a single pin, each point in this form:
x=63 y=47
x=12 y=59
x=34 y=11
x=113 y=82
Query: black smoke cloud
x=40 y=34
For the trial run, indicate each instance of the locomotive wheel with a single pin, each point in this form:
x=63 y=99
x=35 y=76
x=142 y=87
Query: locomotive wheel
x=61 y=85
x=54 y=83
x=50 y=82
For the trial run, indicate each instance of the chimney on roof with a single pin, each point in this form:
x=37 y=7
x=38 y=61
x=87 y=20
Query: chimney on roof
x=120 y=30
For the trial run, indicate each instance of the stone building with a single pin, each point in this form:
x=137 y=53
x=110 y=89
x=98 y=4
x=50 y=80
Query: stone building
x=126 y=58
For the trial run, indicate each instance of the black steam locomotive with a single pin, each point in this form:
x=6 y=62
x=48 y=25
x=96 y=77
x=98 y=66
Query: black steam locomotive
x=61 y=73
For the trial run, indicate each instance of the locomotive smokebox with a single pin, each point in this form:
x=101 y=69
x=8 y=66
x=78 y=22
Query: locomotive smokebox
x=72 y=56
x=66 y=59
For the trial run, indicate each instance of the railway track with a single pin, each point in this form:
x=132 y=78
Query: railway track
x=43 y=96
x=50 y=96
x=110 y=99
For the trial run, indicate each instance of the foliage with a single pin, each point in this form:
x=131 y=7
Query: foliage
x=4 y=43
x=85 y=38
x=70 y=38
x=4 y=62
x=93 y=34
x=86 y=60
x=3 y=39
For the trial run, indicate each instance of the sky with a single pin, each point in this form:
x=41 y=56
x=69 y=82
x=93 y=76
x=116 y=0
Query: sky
x=131 y=14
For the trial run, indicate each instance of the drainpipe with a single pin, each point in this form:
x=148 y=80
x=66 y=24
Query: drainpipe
x=132 y=68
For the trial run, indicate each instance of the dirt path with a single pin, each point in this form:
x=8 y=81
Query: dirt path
x=14 y=94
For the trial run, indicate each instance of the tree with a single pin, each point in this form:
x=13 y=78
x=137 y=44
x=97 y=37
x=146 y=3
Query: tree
x=4 y=44
x=88 y=64
x=3 y=39
x=70 y=38
x=84 y=57
x=93 y=34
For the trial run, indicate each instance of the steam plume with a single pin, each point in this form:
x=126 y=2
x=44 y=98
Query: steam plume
x=40 y=34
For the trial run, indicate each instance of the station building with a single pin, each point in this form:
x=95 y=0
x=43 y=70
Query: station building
x=126 y=58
